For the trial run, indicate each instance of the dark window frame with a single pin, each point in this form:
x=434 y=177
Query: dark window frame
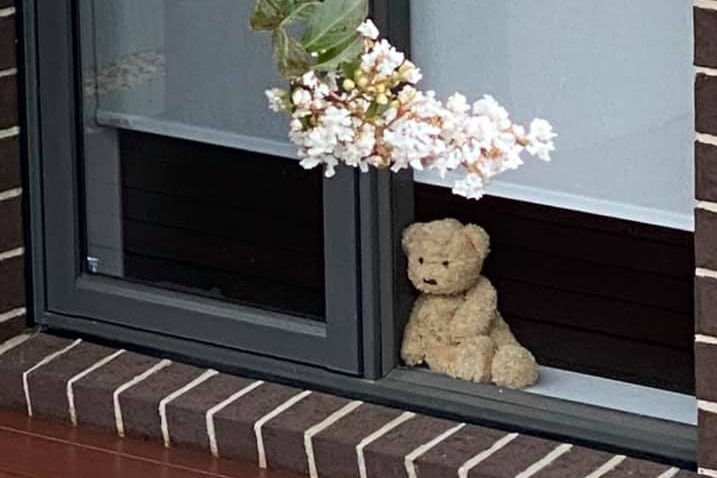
x=384 y=207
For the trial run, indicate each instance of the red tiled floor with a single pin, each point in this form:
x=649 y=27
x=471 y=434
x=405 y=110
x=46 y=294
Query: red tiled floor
x=40 y=449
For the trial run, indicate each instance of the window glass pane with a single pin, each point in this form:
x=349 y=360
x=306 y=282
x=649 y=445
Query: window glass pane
x=168 y=206
x=614 y=77
x=583 y=292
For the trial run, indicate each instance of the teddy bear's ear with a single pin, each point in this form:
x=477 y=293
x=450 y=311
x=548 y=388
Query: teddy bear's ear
x=411 y=235
x=479 y=238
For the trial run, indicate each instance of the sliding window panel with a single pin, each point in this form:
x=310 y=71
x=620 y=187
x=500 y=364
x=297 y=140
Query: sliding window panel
x=179 y=234
x=614 y=78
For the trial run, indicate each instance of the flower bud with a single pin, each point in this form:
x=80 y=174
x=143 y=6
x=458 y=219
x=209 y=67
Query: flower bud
x=382 y=99
x=362 y=81
x=348 y=84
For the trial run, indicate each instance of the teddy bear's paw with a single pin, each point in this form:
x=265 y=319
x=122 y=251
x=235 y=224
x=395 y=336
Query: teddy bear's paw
x=413 y=346
x=411 y=357
x=514 y=367
x=470 y=360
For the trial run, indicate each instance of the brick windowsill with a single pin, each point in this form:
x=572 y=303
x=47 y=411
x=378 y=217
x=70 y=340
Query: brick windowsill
x=272 y=425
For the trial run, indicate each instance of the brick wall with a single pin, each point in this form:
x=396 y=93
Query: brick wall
x=705 y=22
x=12 y=286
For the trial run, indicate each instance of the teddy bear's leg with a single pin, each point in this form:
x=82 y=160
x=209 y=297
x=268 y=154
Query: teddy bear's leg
x=469 y=360
x=501 y=333
x=514 y=367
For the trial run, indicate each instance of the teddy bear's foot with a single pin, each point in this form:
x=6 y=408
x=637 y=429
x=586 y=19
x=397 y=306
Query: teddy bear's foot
x=514 y=367
x=469 y=360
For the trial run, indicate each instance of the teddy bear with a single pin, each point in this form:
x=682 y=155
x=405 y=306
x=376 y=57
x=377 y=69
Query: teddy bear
x=455 y=327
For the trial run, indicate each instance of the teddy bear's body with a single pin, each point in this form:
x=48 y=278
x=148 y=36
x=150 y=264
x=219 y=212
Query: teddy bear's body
x=455 y=327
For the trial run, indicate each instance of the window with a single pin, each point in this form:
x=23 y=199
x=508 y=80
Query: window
x=169 y=213
x=179 y=224
x=600 y=283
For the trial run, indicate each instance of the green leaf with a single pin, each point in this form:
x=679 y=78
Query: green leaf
x=291 y=58
x=268 y=14
x=302 y=12
x=346 y=53
x=333 y=23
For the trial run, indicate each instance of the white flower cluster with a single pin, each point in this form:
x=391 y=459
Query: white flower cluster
x=374 y=116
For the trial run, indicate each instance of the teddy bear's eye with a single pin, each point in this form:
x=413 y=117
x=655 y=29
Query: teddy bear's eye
x=445 y=263
x=420 y=260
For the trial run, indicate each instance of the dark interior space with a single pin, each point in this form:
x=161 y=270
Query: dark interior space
x=587 y=293
x=223 y=223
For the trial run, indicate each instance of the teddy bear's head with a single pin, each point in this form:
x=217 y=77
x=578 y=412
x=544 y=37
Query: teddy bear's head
x=444 y=256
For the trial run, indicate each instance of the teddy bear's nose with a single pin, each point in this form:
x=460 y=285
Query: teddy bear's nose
x=430 y=281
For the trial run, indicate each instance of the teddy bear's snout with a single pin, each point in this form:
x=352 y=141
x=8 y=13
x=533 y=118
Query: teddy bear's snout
x=430 y=281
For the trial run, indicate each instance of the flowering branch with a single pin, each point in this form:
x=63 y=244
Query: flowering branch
x=352 y=100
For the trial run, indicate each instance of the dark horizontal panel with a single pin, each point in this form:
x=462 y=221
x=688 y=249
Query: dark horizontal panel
x=588 y=278
x=220 y=186
x=194 y=155
x=536 y=233
x=220 y=174
x=431 y=200
x=224 y=254
x=590 y=245
x=606 y=356
x=592 y=313
x=286 y=231
x=218 y=284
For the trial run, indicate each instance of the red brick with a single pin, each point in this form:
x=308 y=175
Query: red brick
x=705 y=27
x=8 y=102
x=9 y=163
x=7 y=43
x=706 y=239
x=11 y=224
x=140 y=404
x=706 y=371
x=707 y=440
x=705 y=101
x=47 y=384
x=705 y=172
x=20 y=359
x=706 y=305
x=186 y=415
x=284 y=435
x=12 y=283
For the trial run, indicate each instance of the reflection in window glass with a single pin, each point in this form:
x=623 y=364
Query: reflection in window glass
x=614 y=81
x=176 y=194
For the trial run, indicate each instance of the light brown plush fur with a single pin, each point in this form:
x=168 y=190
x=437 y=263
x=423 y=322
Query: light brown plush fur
x=455 y=327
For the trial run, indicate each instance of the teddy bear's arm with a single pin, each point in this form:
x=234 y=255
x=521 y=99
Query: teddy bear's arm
x=475 y=315
x=413 y=348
